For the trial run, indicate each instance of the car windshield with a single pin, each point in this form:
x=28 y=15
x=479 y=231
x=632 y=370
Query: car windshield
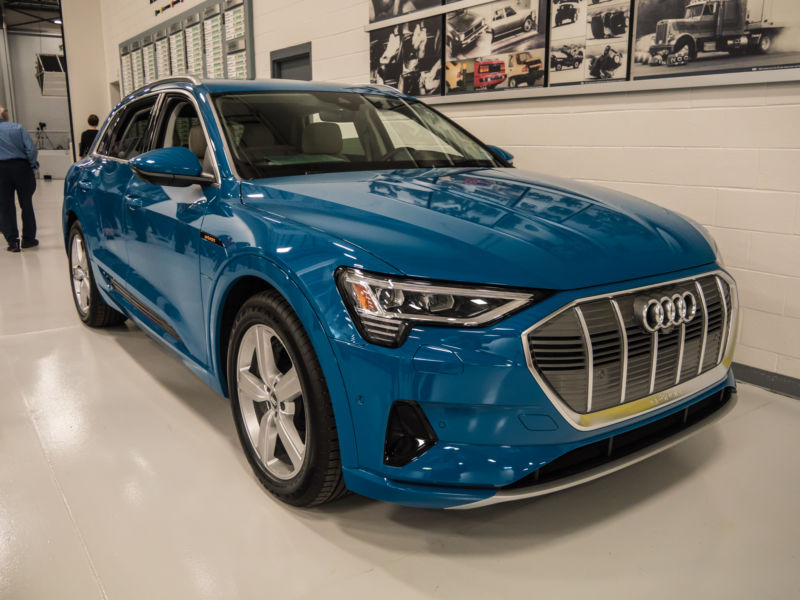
x=694 y=10
x=273 y=134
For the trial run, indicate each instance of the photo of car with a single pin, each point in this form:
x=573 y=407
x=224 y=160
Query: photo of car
x=464 y=28
x=489 y=73
x=390 y=306
x=524 y=68
x=566 y=13
x=509 y=18
x=566 y=57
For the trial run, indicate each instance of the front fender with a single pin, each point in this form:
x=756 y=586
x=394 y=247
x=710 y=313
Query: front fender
x=254 y=265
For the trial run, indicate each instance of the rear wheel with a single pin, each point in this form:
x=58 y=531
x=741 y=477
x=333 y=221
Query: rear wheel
x=281 y=405
x=765 y=43
x=527 y=25
x=92 y=309
x=512 y=83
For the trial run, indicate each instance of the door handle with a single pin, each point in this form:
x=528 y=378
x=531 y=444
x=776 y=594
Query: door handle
x=84 y=185
x=133 y=201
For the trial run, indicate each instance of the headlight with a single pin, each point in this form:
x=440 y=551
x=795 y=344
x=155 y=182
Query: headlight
x=384 y=307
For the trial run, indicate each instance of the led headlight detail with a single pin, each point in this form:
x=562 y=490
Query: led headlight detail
x=384 y=307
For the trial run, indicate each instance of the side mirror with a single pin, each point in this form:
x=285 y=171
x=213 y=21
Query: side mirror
x=502 y=155
x=177 y=166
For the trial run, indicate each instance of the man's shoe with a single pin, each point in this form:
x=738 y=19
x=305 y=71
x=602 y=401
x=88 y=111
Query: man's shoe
x=30 y=243
x=13 y=246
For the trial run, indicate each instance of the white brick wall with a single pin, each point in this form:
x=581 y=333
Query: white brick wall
x=729 y=157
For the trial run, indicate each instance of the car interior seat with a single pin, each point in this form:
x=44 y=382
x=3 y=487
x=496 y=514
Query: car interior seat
x=198 y=145
x=322 y=138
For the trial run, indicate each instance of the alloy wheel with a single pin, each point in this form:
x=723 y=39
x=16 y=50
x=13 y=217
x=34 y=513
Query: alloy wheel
x=79 y=266
x=271 y=402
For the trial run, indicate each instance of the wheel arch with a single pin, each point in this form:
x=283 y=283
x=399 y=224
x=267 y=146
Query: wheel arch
x=70 y=217
x=248 y=275
x=689 y=40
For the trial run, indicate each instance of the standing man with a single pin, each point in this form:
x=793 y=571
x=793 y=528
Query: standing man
x=87 y=137
x=18 y=160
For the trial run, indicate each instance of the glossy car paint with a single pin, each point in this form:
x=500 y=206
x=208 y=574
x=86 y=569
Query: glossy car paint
x=486 y=226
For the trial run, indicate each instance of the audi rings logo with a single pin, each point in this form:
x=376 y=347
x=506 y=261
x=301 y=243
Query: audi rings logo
x=666 y=312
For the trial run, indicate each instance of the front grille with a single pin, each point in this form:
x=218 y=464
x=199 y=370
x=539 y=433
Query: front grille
x=661 y=33
x=597 y=354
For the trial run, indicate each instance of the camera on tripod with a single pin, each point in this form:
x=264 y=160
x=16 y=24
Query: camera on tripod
x=43 y=141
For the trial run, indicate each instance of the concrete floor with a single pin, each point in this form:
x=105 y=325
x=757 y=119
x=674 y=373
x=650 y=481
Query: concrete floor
x=121 y=477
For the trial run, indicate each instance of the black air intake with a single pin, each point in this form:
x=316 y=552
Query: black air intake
x=408 y=434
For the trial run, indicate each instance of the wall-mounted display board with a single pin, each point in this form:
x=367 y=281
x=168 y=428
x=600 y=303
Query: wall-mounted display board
x=214 y=40
x=556 y=47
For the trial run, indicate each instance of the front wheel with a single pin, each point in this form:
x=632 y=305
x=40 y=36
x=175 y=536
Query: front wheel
x=91 y=307
x=765 y=44
x=527 y=25
x=281 y=405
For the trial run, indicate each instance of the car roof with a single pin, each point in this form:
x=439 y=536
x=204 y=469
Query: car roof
x=216 y=86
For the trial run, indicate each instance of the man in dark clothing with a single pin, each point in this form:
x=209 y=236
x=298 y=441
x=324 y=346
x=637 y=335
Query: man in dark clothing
x=87 y=137
x=18 y=160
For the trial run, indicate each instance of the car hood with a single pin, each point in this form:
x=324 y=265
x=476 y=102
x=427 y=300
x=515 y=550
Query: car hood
x=490 y=226
x=463 y=21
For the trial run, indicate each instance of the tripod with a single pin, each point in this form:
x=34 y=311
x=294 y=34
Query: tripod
x=43 y=141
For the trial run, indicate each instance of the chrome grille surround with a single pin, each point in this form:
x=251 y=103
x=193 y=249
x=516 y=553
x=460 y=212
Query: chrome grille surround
x=611 y=369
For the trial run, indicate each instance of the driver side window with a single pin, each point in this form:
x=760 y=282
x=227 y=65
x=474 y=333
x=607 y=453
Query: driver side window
x=181 y=126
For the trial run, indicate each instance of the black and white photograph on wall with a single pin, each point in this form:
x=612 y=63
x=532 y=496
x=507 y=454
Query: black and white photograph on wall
x=408 y=56
x=495 y=28
x=606 y=60
x=380 y=10
x=566 y=61
x=703 y=37
x=608 y=19
x=596 y=48
x=567 y=19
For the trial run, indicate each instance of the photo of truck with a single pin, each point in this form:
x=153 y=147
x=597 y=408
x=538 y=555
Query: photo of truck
x=565 y=57
x=735 y=26
x=608 y=24
x=566 y=13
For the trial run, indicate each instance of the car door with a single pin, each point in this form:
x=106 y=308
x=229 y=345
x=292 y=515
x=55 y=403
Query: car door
x=163 y=234
x=105 y=180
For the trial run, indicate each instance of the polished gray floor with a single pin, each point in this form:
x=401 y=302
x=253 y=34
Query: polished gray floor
x=121 y=477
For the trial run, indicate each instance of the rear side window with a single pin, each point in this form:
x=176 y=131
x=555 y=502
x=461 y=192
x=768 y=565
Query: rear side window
x=128 y=133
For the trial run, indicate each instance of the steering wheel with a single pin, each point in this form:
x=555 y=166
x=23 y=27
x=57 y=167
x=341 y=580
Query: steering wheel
x=392 y=154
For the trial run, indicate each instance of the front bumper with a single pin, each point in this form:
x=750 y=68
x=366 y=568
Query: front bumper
x=661 y=49
x=495 y=424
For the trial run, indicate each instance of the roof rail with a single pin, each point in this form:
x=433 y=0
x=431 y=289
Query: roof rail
x=174 y=79
x=379 y=86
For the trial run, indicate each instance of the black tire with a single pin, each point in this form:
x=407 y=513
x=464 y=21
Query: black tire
x=319 y=479
x=512 y=83
x=527 y=25
x=98 y=313
x=559 y=66
x=765 y=44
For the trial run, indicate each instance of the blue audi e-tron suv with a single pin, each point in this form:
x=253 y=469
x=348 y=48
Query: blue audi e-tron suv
x=390 y=306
